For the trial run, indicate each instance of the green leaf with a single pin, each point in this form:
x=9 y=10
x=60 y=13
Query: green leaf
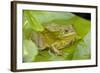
x=83 y=48
x=48 y=16
x=42 y=56
x=33 y=22
x=30 y=51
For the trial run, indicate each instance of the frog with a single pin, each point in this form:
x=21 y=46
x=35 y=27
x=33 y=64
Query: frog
x=55 y=37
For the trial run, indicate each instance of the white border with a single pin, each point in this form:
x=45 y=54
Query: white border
x=21 y=65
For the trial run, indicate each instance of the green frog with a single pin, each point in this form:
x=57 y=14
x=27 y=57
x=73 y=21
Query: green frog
x=55 y=37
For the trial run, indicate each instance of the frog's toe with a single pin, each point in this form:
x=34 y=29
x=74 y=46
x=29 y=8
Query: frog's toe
x=60 y=53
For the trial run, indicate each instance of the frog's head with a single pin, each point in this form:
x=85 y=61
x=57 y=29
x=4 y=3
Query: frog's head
x=66 y=31
x=61 y=30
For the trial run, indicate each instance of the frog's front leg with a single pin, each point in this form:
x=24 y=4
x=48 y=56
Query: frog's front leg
x=55 y=50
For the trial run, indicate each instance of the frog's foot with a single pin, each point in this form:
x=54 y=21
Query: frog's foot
x=56 y=51
x=60 y=53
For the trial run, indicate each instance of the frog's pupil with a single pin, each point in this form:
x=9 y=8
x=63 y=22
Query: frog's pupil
x=66 y=30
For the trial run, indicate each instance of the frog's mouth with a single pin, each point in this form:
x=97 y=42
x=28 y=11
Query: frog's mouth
x=70 y=34
x=67 y=35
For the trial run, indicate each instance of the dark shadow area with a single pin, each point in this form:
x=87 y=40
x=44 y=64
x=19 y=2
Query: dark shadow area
x=84 y=15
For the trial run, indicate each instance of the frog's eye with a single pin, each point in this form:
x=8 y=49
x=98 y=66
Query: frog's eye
x=66 y=30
